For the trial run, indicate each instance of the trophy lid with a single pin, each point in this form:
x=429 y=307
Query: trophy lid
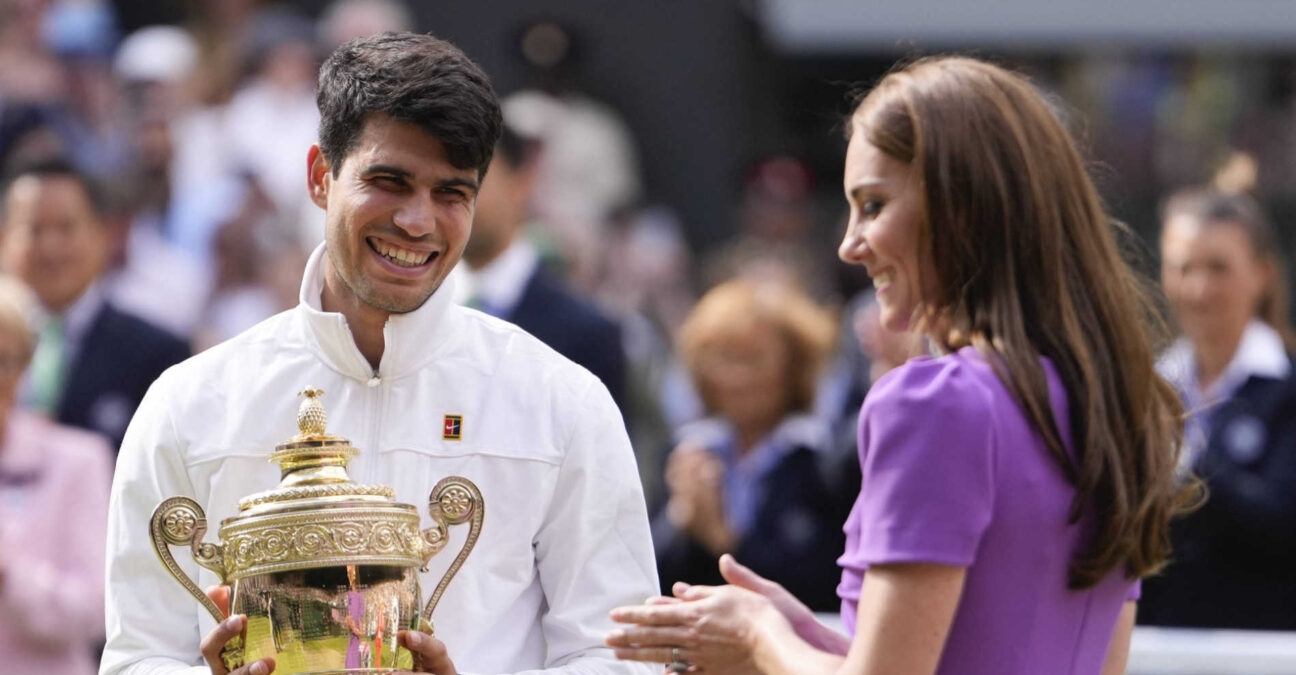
x=317 y=516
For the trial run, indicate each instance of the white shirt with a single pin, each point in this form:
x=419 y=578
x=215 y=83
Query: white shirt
x=1260 y=352
x=499 y=284
x=565 y=537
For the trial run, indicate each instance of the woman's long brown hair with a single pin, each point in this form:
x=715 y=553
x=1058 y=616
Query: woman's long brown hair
x=1028 y=264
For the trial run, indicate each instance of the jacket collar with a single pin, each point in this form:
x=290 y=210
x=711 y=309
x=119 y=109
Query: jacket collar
x=410 y=340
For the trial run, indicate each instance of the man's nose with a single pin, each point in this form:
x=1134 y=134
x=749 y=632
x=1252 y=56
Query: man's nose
x=416 y=216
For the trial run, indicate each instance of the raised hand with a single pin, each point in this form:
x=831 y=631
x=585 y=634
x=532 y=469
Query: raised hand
x=695 y=479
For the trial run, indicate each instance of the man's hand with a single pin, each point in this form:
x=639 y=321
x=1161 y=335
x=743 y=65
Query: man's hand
x=430 y=655
x=225 y=631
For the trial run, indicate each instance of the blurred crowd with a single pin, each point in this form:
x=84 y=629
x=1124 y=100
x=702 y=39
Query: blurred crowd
x=154 y=205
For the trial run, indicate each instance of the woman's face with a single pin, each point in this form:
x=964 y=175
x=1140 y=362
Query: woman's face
x=1211 y=276
x=745 y=373
x=883 y=233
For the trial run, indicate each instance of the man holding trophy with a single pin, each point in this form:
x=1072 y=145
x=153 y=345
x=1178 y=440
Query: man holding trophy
x=422 y=387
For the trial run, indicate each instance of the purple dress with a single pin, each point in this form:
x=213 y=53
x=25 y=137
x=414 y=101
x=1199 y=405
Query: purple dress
x=954 y=474
x=355 y=610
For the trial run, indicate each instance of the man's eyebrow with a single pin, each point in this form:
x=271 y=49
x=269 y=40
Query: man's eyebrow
x=399 y=172
x=459 y=182
x=386 y=169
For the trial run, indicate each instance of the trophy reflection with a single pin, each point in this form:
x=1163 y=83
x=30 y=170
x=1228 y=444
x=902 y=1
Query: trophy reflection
x=326 y=570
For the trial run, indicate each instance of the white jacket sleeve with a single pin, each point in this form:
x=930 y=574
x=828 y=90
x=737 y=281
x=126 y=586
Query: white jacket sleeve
x=152 y=621
x=594 y=551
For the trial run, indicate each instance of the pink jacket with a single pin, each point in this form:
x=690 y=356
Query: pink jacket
x=54 y=484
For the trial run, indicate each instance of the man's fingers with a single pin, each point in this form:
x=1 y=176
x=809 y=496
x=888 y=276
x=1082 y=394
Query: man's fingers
x=212 y=645
x=262 y=667
x=430 y=654
x=221 y=596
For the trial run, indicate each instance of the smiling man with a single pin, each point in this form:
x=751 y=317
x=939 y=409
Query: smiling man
x=423 y=387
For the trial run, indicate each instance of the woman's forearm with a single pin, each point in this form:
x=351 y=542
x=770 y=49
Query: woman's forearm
x=821 y=637
x=781 y=649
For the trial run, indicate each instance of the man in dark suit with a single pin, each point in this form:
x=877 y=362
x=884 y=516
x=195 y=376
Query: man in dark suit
x=502 y=274
x=92 y=362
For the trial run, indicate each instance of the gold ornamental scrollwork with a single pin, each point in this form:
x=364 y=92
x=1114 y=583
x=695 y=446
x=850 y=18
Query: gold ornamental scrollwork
x=316 y=491
x=180 y=521
x=454 y=500
x=290 y=545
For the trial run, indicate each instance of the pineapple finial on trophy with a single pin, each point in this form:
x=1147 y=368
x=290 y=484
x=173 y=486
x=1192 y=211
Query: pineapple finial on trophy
x=311 y=419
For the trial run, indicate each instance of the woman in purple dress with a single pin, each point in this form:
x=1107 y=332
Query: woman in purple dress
x=1015 y=488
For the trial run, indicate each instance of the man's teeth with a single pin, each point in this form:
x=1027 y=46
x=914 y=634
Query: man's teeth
x=401 y=256
x=882 y=280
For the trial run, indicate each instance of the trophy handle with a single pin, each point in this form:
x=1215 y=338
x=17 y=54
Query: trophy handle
x=179 y=521
x=453 y=501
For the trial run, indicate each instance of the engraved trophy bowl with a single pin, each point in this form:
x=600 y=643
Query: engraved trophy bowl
x=325 y=569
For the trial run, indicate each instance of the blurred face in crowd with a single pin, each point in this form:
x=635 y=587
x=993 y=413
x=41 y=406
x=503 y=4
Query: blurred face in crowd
x=501 y=211
x=886 y=349
x=398 y=216
x=884 y=231
x=1212 y=277
x=744 y=374
x=52 y=239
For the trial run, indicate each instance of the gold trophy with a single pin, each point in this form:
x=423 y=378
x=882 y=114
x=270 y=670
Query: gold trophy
x=326 y=570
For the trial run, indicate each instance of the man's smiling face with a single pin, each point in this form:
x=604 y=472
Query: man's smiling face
x=398 y=216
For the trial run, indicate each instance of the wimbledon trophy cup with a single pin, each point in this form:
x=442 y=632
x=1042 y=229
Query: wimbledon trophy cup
x=326 y=570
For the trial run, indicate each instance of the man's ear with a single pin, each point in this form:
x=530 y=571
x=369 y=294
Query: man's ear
x=319 y=176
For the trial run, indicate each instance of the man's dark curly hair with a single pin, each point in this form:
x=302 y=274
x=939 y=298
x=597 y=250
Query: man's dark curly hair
x=412 y=78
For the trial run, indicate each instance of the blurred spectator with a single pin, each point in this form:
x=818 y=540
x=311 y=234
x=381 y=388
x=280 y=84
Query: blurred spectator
x=92 y=362
x=29 y=73
x=257 y=271
x=346 y=20
x=647 y=285
x=867 y=351
x=751 y=479
x=179 y=186
x=221 y=28
x=272 y=119
x=886 y=349
x=589 y=171
x=502 y=275
x=1235 y=559
x=53 y=509
x=777 y=237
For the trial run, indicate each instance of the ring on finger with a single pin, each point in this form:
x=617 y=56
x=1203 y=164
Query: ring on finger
x=678 y=664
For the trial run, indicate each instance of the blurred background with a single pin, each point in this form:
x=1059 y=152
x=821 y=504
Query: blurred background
x=662 y=150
